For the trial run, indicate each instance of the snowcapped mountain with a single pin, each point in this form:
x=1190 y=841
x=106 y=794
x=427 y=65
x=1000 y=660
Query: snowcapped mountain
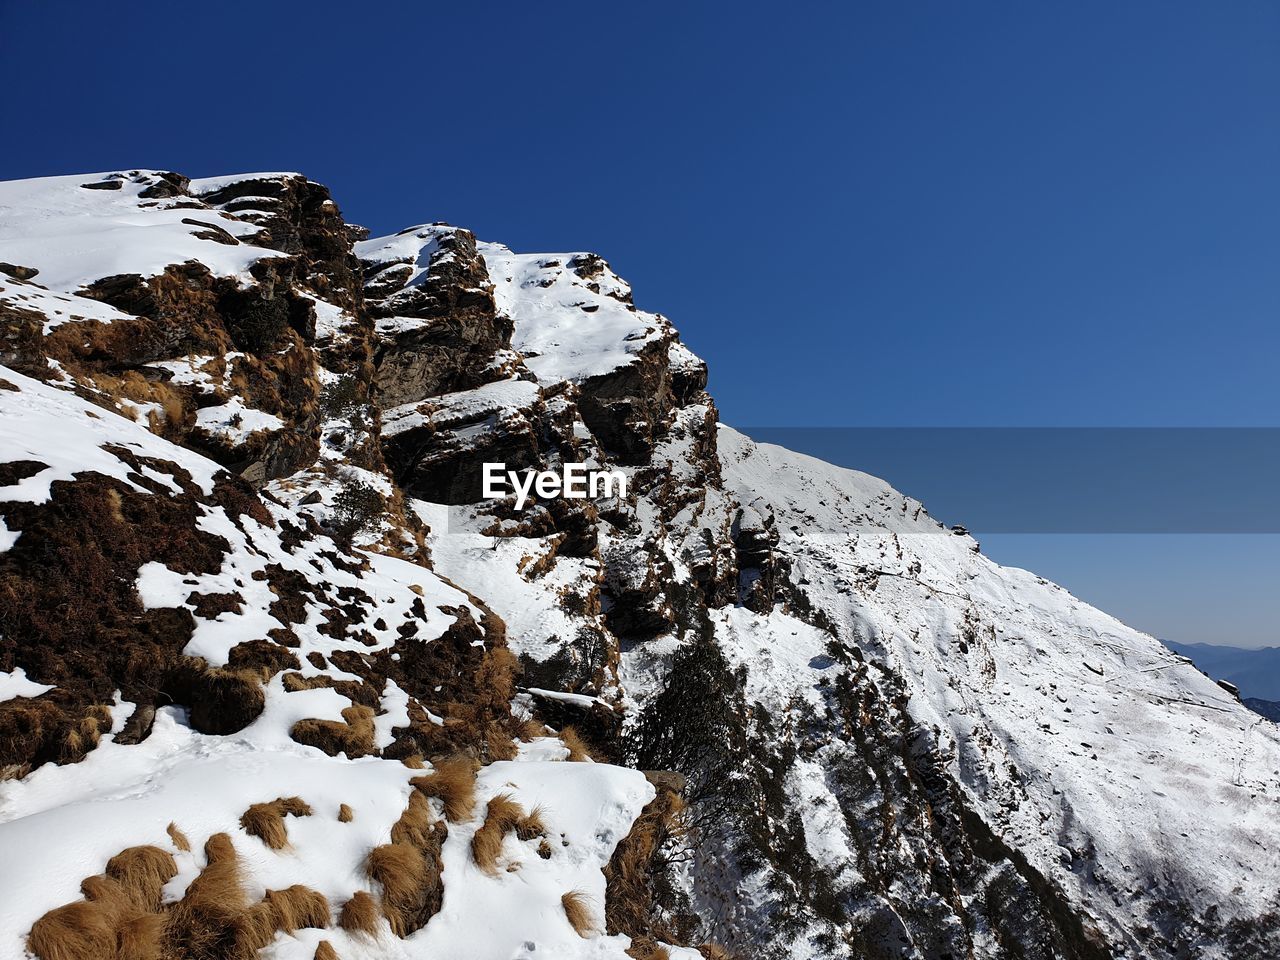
x=277 y=680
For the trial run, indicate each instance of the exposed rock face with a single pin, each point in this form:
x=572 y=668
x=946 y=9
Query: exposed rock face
x=242 y=519
x=439 y=329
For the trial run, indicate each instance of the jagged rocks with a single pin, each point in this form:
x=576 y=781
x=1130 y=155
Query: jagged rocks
x=438 y=327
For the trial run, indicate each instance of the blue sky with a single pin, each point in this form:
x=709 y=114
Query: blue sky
x=860 y=214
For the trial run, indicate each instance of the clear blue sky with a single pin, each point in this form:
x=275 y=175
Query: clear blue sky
x=881 y=213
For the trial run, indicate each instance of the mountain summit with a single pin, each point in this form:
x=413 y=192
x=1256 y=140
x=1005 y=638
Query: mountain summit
x=278 y=680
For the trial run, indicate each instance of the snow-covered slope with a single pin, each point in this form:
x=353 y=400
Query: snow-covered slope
x=276 y=681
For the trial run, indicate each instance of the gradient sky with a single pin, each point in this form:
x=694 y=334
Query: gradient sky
x=875 y=213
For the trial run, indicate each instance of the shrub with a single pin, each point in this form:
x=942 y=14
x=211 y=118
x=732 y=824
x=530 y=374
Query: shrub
x=259 y=324
x=340 y=396
x=355 y=508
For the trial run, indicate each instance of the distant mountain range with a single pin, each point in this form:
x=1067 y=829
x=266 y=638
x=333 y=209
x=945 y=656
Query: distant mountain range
x=1255 y=672
x=1268 y=708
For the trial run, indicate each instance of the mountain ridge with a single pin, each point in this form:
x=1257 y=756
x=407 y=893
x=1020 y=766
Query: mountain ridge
x=243 y=533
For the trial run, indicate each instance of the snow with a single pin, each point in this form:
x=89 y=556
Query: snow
x=494 y=401
x=15 y=684
x=72 y=819
x=1148 y=763
x=75 y=236
x=588 y=809
x=566 y=330
x=1062 y=728
x=416 y=246
x=42 y=423
x=204 y=185
x=58 y=308
x=537 y=623
x=235 y=422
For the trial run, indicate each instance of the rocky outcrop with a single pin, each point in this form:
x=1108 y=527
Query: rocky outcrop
x=438 y=327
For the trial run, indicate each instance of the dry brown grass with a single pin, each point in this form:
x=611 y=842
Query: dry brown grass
x=531 y=729
x=266 y=820
x=414 y=762
x=578 y=750
x=647 y=950
x=219 y=849
x=713 y=951
x=403 y=873
x=296 y=682
x=345 y=814
x=577 y=909
x=142 y=873
x=77 y=931
x=532 y=824
x=84 y=736
x=212 y=922
x=453 y=781
x=361 y=915
x=354 y=736
x=628 y=898
x=408 y=869
x=139 y=938
x=179 y=838
x=498 y=744
x=297 y=907
x=325 y=951
x=502 y=816
x=414 y=825
x=131 y=389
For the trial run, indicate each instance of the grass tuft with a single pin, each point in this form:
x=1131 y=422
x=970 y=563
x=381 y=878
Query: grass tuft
x=647 y=950
x=142 y=873
x=179 y=838
x=403 y=873
x=453 y=781
x=266 y=820
x=354 y=735
x=577 y=909
x=502 y=816
x=361 y=915
x=415 y=825
x=297 y=907
x=77 y=931
x=578 y=750
x=532 y=825
x=345 y=814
